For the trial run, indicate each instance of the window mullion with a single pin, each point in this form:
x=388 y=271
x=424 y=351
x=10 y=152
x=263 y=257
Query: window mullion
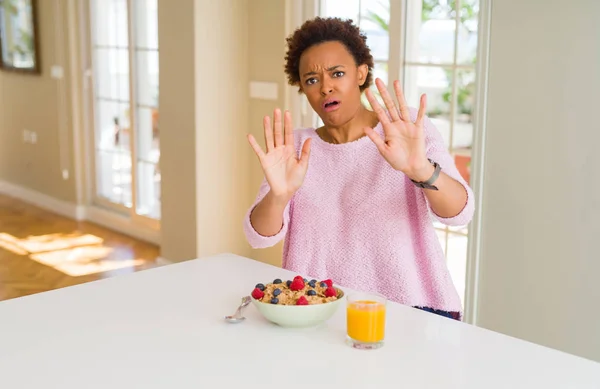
x=446 y=65
x=454 y=96
x=396 y=33
x=359 y=13
x=132 y=103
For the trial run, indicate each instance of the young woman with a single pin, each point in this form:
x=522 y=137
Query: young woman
x=354 y=199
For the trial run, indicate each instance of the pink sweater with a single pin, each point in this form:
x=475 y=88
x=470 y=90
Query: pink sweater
x=365 y=225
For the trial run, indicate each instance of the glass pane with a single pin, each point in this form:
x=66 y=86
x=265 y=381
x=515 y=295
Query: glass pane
x=109 y=18
x=436 y=82
x=467 y=33
x=146 y=24
x=464 y=230
x=344 y=9
x=463 y=164
x=112 y=125
x=112 y=74
x=381 y=71
x=148 y=203
x=148 y=143
x=462 y=136
x=456 y=258
x=374 y=22
x=430 y=31
x=147 y=77
x=113 y=173
x=437 y=224
x=441 y=234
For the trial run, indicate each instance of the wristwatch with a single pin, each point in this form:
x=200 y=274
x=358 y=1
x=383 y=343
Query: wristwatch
x=429 y=183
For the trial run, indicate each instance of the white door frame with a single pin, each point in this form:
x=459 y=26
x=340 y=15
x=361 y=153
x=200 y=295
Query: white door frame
x=477 y=162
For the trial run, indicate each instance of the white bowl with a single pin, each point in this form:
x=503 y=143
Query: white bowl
x=298 y=316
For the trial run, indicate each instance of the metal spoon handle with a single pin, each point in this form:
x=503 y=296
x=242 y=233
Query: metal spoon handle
x=238 y=311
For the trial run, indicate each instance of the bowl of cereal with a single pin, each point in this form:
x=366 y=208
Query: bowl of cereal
x=298 y=302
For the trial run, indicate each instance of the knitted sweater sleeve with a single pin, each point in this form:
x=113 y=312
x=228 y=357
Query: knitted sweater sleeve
x=256 y=240
x=438 y=152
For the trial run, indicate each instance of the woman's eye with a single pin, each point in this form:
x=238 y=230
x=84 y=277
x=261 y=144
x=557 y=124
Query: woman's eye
x=311 y=81
x=338 y=74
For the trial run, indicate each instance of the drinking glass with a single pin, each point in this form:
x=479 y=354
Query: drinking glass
x=365 y=320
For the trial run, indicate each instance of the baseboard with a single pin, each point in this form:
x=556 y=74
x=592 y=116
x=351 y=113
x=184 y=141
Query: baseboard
x=93 y=214
x=49 y=203
x=122 y=224
x=161 y=261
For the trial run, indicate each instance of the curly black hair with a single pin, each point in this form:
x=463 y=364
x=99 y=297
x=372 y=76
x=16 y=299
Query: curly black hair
x=320 y=30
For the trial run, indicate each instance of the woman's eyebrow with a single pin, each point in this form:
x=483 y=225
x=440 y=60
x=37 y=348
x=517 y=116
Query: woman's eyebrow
x=328 y=69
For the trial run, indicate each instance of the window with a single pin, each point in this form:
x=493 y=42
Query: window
x=438 y=57
x=124 y=36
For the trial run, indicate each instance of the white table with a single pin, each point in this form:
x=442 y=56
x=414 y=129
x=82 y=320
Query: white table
x=164 y=328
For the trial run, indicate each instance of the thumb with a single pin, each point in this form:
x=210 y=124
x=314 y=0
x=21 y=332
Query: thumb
x=305 y=152
x=375 y=138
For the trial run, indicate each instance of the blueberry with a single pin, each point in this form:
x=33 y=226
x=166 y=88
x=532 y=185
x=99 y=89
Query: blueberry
x=288 y=283
x=323 y=285
x=311 y=293
x=274 y=300
x=261 y=287
x=276 y=292
x=305 y=280
x=312 y=283
x=277 y=281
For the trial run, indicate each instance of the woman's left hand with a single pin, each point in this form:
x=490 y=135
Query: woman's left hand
x=404 y=144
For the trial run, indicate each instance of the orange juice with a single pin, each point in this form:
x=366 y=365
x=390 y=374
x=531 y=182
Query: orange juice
x=366 y=320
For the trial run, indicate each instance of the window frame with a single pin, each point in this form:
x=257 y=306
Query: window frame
x=90 y=91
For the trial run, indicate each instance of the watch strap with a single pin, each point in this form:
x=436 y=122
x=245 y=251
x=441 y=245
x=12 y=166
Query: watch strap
x=429 y=183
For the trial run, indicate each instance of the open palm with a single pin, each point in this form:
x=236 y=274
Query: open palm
x=283 y=170
x=404 y=144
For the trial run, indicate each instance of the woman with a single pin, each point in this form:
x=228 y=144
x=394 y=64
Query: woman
x=354 y=198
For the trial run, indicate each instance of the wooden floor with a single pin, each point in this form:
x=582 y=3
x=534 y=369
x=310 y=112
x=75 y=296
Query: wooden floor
x=41 y=251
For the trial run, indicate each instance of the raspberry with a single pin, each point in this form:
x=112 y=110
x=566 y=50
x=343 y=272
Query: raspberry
x=302 y=301
x=297 y=285
x=257 y=293
x=299 y=278
x=328 y=282
x=330 y=292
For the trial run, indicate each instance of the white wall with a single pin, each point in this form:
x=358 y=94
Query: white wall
x=204 y=120
x=540 y=258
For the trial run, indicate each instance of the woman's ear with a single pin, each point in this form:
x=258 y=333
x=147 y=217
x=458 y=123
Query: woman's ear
x=298 y=84
x=363 y=71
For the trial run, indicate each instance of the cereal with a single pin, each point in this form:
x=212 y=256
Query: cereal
x=289 y=292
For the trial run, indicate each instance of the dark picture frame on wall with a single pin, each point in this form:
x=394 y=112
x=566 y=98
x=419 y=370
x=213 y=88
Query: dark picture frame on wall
x=19 y=38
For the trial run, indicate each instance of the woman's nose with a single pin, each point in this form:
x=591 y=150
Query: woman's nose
x=326 y=89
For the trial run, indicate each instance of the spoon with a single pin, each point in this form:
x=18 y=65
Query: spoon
x=237 y=316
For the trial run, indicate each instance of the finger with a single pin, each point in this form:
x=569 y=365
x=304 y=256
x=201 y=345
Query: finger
x=422 y=109
x=259 y=152
x=404 y=112
x=383 y=117
x=288 y=129
x=278 y=130
x=305 y=152
x=268 y=134
x=379 y=142
x=387 y=99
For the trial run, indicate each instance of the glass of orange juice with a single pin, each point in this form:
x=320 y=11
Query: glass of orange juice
x=365 y=320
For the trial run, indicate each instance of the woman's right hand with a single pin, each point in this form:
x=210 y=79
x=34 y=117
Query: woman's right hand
x=284 y=171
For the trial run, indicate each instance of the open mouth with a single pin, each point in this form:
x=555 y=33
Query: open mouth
x=331 y=105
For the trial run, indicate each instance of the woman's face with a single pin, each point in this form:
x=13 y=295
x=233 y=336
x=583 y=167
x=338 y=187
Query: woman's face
x=331 y=81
